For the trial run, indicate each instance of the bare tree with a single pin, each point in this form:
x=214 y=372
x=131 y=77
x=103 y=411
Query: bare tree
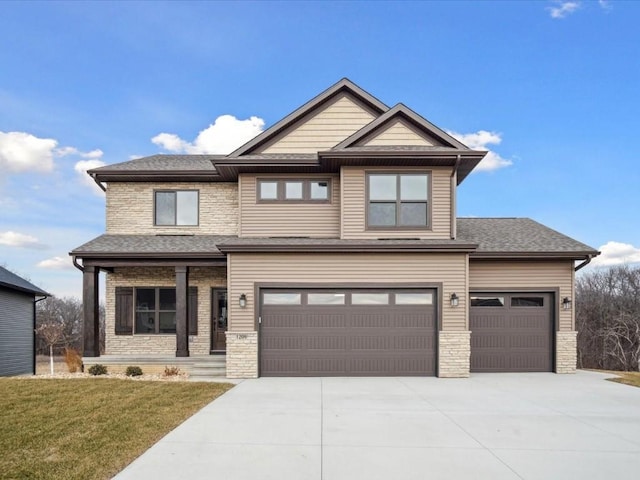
x=52 y=333
x=608 y=318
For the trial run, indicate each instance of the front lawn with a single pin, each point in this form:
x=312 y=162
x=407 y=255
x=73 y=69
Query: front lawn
x=628 y=378
x=88 y=428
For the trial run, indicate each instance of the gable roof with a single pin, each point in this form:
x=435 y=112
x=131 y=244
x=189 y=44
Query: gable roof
x=403 y=112
x=344 y=85
x=14 y=282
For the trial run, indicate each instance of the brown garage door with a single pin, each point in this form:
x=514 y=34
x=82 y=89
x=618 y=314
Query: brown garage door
x=347 y=332
x=511 y=332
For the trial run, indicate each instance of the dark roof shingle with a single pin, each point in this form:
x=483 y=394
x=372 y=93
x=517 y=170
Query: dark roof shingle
x=11 y=280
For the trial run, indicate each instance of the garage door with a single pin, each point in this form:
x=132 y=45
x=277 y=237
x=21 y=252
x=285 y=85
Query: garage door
x=347 y=332
x=511 y=332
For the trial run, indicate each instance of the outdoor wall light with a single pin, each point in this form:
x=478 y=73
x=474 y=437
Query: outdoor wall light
x=566 y=303
x=454 y=300
x=242 y=301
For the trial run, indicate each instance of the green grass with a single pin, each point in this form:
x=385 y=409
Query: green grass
x=88 y=428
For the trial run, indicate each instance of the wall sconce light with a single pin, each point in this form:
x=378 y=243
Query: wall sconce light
x=242 y=301
x=454 y=300
x=566 y=303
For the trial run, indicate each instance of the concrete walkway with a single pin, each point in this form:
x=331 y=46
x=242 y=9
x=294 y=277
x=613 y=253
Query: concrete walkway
x=490 y=426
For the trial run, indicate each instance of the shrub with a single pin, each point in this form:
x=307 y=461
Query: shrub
x=133 y=371
x=97 y=369
x=171 y=371
x=73 y=360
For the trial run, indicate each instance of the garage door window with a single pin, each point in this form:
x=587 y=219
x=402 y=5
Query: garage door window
x=414 y=299
x=282 y=299
x=325 y=298
x=487 y=301
x=527 y=302
x=369 y=298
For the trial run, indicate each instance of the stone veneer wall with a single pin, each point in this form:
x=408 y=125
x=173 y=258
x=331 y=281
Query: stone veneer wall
x=242 y=354
x=130 y=208
x=454 y=354
x=566 y=351
x=204 y=278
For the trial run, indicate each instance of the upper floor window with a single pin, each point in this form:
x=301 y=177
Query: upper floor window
x=176 y=207
x=294 y=190
x=398 y=200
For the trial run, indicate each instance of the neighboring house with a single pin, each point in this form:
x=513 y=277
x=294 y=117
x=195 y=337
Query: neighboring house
x=17 y=324
x=333 y=236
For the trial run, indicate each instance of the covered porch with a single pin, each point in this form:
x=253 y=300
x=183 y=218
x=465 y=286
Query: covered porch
x=169 y=282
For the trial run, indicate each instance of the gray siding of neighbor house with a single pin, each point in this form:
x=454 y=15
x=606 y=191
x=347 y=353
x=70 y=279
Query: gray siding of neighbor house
x=16 y=333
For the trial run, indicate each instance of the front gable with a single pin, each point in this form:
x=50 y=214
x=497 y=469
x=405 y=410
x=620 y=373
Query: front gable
x=323 y=128
x=319 y=124
x=399 y=132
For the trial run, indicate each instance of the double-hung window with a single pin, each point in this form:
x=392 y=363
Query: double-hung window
x=176 y=207
x=398 y=200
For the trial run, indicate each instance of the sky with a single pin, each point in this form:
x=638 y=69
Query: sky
x=551 y=88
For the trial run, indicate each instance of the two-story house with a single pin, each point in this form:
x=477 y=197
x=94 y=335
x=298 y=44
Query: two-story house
x=327 y=245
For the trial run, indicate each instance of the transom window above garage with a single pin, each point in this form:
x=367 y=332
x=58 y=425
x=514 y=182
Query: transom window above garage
x=293 y=190
x=398 y=200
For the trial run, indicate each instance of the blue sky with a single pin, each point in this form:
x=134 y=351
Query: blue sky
x=550 y=87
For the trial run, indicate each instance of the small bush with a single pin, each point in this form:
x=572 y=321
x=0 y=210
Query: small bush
x=133 y=371
x=73 y=360
x=171 y=371
x=97 y=369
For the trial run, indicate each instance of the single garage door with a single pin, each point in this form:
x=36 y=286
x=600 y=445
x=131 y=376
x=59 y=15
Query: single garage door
x=511 y=332
x=348 y=332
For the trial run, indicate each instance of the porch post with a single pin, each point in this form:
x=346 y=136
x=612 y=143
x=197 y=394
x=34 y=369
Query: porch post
x=182 y=313
x=91 y=313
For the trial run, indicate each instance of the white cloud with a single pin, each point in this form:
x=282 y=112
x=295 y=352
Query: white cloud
x=81 y=168
x=605 y=5
x=57 y=263
x=616 y=253
x=97 y=153
x=479 y=141
x=23 y=152
x=15 y=239
x=563 y=9
x=223 y=136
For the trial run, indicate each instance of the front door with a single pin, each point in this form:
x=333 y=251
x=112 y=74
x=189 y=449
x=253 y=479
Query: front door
x=218 y=320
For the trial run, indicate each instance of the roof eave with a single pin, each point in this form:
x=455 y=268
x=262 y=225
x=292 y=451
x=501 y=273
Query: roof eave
x=574 y=255
x=355 y=248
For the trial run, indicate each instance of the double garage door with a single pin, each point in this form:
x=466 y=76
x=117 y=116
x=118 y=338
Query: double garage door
x=511 y=332
x=348 y=332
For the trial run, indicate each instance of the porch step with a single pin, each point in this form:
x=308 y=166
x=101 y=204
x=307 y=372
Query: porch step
x=214 y=367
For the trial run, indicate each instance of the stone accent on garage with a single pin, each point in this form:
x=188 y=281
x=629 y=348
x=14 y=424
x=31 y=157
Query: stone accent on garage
x=454 y=354
x=566 y=351
x=242 y=354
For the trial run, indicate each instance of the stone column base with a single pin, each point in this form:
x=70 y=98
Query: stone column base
x=454 y=354
x=242 y=355
x=566 y=352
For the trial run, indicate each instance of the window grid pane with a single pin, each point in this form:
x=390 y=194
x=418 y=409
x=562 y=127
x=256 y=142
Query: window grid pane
x=269 y=190
x=414 y=298
x=383 y=187
x=413 y=214
x=369 y=298
x=282 y=299
x=319 y=190
x=325 y=298
x=293 y=190
x=413 y=187
x=487 y=301
x=187 y=208
x=165 y=208
x=382 y=214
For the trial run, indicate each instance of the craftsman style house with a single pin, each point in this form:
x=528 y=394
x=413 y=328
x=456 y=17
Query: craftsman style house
x=327 y=245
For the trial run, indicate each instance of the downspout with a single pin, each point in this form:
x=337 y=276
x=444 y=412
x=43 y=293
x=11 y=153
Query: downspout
x=34 y=330
x=98 y=182
x=454 y=180
x=586 y=262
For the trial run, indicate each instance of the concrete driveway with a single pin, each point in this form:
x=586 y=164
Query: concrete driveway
x=489 y=426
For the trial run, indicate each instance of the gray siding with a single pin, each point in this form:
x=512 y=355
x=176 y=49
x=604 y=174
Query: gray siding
x=16 y=333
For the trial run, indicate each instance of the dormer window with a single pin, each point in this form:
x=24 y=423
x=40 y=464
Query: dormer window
x=176 y=207
x=294 y=190
x=398 y=200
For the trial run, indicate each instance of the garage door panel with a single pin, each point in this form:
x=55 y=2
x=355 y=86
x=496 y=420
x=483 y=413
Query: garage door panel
x=510 y=338
x=340 y=340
